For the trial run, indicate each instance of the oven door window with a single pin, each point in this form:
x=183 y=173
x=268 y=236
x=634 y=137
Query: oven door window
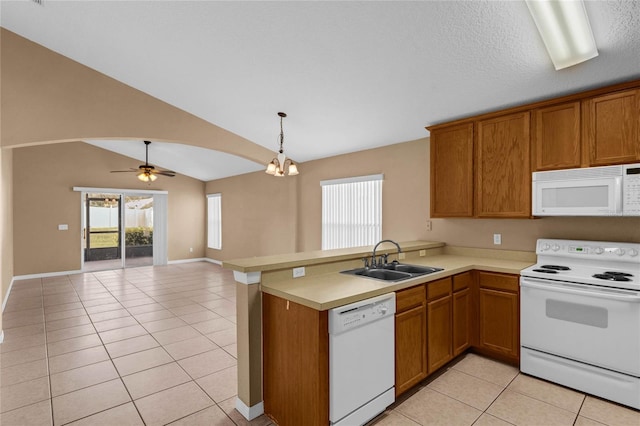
x=601 y=328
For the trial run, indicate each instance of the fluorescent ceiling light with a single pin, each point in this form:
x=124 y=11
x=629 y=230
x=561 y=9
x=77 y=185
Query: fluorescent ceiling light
x=565 y=30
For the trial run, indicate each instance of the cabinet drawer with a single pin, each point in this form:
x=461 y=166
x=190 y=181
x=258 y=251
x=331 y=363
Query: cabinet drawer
x=409 y=298
x=462 y=281
x=439 y=288
x=498 y=281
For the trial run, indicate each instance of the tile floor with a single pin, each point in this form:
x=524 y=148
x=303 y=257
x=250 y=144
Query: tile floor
x=157 y=345
x=482 y=392
x=148 y=345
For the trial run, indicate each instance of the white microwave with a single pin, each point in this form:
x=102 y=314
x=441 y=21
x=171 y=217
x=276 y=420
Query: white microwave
x=592 y=191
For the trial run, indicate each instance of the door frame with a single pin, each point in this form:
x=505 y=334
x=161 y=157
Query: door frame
x=160 y=205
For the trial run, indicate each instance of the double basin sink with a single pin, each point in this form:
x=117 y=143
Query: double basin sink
x=393 y=271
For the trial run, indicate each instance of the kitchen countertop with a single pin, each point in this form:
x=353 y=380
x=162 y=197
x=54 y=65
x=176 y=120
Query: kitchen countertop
x=292 y=260
x=330 y=290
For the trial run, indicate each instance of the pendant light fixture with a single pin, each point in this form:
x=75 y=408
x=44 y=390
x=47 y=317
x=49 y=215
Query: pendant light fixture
x=281 y=165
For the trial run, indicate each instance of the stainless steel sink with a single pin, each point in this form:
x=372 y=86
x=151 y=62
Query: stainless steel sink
x=392 y=272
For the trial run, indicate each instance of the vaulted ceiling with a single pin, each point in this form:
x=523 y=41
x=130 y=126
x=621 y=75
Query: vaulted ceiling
x=350 y=75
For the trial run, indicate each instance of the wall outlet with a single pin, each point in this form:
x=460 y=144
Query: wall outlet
x=401 y=256
x=497 y=239
x=423 y=252
x=428 y=225
x=298 y=272
x=63 y=227
x=190 y=249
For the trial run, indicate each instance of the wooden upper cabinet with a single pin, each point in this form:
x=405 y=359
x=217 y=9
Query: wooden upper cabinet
x=555 y=137
x=452 y=171
x=612 y=128
x=503 y=166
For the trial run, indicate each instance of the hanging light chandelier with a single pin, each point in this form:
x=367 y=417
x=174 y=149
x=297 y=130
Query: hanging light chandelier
x=281 y=165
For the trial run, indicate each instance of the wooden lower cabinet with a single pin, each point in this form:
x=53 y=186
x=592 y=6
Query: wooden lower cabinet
x=499 y=317
x=462 y=312
x=439 y=346
x=411 y=338
x=295 y=362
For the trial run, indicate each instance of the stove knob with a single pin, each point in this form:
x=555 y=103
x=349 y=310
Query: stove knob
x=619 y=252
x=545 y=247
x=598 y=250
x=555 y=247
x=633 y=252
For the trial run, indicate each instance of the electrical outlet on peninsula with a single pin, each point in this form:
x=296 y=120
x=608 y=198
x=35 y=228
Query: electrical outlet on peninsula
x=298 y=272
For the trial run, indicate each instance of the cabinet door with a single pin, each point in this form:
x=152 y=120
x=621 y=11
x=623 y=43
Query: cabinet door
x=555 y=137
x=499 y=326
x=295 y=341
x=439 y=347
x=613 y=128
x=452 y=171
x=503 y=163
x=461 y=320
x=411 y=348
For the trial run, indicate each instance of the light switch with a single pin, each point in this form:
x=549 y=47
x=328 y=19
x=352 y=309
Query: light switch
x=497 y=239
x=63 y=227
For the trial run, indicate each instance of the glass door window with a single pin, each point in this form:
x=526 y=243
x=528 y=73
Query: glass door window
x=138 y=230
x=103 y=228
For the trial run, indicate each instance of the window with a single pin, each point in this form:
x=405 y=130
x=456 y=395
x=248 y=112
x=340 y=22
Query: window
x=214 y=221
x=351 y=211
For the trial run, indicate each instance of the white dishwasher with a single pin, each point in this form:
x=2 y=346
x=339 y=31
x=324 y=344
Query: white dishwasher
x=361 y=360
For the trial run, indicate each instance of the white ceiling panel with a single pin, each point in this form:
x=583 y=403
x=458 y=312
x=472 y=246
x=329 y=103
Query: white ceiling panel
x=350 y=75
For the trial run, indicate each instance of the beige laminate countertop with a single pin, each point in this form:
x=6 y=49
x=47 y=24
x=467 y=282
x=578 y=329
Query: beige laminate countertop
x=327 y=291
x=292 y=260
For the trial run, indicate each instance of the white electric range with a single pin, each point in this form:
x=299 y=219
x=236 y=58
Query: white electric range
x=580 y=317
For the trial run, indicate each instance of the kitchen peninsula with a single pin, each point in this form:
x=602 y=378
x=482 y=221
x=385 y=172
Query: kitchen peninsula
x=323 y=287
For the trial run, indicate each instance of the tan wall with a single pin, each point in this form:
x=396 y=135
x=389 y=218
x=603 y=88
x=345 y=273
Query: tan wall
x=47 y=97
x=6 y=219
x=405 y=209
x=44 y=177
x=258 y=215
x=404 y=191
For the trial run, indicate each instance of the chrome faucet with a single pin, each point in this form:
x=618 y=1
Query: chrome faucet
x=383 y=258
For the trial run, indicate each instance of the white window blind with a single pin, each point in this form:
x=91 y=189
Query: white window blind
x=351 y=211
x=214 y=221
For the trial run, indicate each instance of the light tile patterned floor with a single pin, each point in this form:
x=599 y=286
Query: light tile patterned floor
x=156 y=345
x=482 y=392
x=148 y=345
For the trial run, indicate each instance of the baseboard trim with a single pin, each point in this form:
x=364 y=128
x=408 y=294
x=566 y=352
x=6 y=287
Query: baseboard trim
x=48 y=274
x=197 y=259
x=252 y=412
x=178 y=261
x=6 y=296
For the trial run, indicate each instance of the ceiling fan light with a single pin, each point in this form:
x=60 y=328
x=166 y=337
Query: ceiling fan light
x=152 y=177
x=143 y=177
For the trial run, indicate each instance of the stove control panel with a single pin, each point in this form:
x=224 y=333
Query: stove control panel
x=627 y=252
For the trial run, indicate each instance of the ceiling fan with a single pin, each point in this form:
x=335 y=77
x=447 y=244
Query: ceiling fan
x=146 y=172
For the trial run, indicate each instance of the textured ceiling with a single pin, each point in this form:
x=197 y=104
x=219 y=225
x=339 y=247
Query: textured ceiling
x=350 y=75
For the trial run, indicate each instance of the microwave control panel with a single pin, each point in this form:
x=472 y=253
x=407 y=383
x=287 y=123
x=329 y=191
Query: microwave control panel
x=631 y=190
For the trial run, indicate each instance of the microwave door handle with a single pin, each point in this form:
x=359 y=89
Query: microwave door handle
x=571 y=289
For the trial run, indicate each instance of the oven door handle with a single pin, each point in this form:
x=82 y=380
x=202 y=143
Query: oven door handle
x=632 y=297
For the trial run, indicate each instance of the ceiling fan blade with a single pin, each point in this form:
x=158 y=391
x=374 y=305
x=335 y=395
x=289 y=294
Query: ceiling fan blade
x=165 y=173
x=124 y=171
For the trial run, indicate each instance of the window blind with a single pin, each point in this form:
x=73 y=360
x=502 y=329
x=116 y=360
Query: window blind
x=214 y=221
x=351 y=212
